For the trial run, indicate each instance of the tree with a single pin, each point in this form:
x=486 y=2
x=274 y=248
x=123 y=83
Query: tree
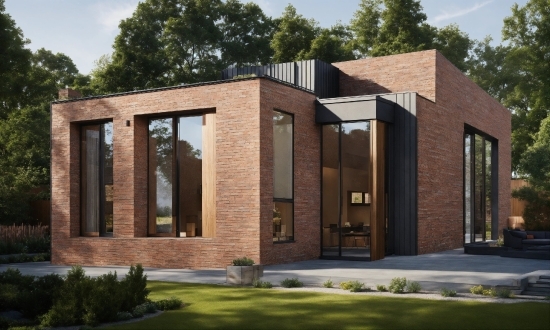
x=24 y=159
x=294 y=36
x=535 y=166
x=528 y=33
x=14 y=63
x=331 y=45
x=386 y=27
x=247 y=32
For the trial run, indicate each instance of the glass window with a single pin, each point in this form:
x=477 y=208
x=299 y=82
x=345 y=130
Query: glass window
x=161 y=173
x=182 y=176
x=97 y=180
x=283 y=180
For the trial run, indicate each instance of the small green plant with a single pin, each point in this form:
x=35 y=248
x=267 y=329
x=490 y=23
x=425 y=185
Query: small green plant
x=397 y=285
x=381 y=288
x=448 y=293
x=328 y=283
x=504 y=293
x=243 y=76
x=261 y=284
x=478 y=289
x=490 y=292
x=244 y=261
x=169 y=304
x=139 y=311
x=500 y=241
x=413 y=287
x=123 y=316
x=353 y=286
x=291 y=283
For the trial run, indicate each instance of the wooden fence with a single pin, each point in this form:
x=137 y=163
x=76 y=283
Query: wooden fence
x=517 y=206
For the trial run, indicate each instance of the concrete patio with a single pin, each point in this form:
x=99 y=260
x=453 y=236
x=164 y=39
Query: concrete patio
x=451 y=269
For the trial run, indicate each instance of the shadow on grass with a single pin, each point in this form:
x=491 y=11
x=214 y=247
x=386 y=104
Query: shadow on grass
x=214 y=307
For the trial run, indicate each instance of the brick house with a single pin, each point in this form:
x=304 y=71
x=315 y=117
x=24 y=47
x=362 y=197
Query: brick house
x=400 y=154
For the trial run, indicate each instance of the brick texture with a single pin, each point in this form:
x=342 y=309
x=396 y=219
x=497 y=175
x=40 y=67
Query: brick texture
x=449 y=101
x=243 y=198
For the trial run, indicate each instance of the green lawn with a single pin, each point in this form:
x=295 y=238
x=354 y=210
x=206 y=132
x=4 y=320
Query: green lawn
x=220 y=307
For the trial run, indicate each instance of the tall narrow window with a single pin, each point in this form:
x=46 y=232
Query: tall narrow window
x=283 y=180
x=97 y=180
x=182 y=176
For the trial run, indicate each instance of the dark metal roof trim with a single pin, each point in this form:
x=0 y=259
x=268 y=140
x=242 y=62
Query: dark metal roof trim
x=365 y=107
x=152 y=90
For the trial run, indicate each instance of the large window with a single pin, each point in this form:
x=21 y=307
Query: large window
x=283 y=179
x=480 y=199
x=182 y=176
x=96 y=180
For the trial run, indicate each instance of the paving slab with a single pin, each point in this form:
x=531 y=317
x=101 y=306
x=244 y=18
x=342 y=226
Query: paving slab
x=451 y=269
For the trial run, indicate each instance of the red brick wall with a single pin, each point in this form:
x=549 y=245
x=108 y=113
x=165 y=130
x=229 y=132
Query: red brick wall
x=307 y=184
x=238 y=182
x=448 y=101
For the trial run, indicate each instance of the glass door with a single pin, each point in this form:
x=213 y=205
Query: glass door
x=350 y=174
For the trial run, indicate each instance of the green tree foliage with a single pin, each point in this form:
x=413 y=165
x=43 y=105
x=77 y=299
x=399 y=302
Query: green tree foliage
x=518 y=74
x=331 y=45
x=535 y=165
x=28 y=83
x=294 y=36
x=14 y=63
x=247 y=33
x=170 y=42
x=386 y=27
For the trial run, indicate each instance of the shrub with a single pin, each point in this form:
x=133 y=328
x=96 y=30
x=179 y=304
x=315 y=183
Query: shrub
x=133 y=288
x=38 y=298
x=150 y=307
x=478 y=289
x=8 y=296
x=413 y=287
x=490 y=292
x=397 y=285
x=504 y=293
x=291 y=283
x=103 y=299
x=353 y=286
x=448 y=293
x=381 y=288
x=139 y=311
x=262 y=285
x=169 y=304
x=123 y=316
x=328 y=283
x=14 y=276
x=244 y=261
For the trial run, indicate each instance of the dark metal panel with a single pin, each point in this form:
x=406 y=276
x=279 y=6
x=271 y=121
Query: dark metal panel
x=373 y=109
x=494 y=189
x=403 y=168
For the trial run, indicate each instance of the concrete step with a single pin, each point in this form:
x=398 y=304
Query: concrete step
x=544 y=277
x=540 y=285
x=543 y=282
x=535 y=293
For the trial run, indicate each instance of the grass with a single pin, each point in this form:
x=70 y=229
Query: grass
x=220 y=307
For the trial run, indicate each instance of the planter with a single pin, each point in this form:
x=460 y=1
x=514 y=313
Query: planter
x=243 y=275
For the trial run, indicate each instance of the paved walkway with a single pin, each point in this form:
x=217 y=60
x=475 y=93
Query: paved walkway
x=451 y=269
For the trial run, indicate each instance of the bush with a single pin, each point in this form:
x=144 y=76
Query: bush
x=413 y=287
x=262 y=285
x=133 y=288
x=8 y=296
x=397 y=285
x=478 y=289
x=103 y=299
x=353 y=286
x=244 y=261
x=123 y=316
x=14 y=276
x=139 y=311
x=490 y=292
x=291 y=283
x=328 y=283
x=448 y=293
x=38 y=298
x=381 y=288
x=169 y=304
x=504 y=293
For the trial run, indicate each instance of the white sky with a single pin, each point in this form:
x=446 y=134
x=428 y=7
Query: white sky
x=85 y=29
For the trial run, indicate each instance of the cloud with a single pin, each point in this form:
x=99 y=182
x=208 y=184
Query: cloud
x=109 y=14
x=446 y=15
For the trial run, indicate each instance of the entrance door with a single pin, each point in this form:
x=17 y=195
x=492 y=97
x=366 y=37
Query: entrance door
x=353 y=190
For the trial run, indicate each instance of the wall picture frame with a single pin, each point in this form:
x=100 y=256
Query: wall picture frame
x=356 y=198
